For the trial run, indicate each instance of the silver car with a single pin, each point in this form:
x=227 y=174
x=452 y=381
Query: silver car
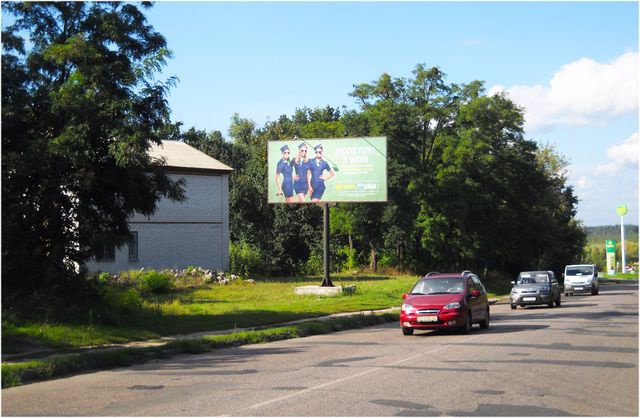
x=535 y=288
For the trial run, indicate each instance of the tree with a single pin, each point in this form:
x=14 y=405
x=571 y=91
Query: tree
x=80 y=109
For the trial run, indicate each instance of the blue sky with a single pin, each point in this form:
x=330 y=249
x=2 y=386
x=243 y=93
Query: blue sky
x=573 y=66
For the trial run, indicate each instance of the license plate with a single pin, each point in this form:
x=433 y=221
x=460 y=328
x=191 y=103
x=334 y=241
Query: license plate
x=430 y=318
x=578 y=288
x=528 y=299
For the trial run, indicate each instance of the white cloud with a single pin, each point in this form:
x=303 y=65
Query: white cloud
x=584 y=183
x=621 y=155
x=599 y=195
x=584 y=92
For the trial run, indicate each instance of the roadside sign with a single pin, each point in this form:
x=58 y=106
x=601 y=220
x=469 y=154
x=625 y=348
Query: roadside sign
x=621 y=209
x=610 y=246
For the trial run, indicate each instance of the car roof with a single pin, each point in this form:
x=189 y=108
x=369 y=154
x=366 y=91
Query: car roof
x=536 y=272
x=436 y=275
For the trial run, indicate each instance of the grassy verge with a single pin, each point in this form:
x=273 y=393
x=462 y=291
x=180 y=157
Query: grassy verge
x=14 y=374
x=620 y=276
x=240 y=304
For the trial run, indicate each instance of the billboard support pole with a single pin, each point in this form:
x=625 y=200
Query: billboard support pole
x=326 y=281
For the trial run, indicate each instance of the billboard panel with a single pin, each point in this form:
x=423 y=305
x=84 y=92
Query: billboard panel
x=328 y=170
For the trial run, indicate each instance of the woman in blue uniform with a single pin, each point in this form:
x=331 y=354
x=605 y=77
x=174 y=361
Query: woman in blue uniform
x=301 y=172
x=284 y=167
x=317 y=177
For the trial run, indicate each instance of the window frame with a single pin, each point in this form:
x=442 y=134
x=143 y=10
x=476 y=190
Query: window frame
x=133 y=245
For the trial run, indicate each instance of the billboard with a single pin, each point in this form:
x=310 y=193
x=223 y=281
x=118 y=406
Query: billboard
x=327 y=170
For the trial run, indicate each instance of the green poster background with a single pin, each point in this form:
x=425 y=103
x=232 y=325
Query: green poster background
x=359 y=164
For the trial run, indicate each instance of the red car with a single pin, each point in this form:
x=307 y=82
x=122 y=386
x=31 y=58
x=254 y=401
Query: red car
x=445 y=301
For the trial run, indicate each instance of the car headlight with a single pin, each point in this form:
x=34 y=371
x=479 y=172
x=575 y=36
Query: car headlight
x=408 y=308
x=452 y=305
x=545 y=289
x=589 y=280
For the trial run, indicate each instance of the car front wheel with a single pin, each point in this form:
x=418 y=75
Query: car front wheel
x=407 y=331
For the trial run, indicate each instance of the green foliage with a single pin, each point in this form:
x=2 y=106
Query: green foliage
x=246 y=259
x=314 y=264
x=80 y=108
x=598 y=234
x=123 y=300
x=158 y=282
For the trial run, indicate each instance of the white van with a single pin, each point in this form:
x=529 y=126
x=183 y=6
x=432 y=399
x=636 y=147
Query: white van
x=581 y=278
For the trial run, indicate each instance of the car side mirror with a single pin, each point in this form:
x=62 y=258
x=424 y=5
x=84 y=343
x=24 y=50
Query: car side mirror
x=475 y=293
x=404 y=296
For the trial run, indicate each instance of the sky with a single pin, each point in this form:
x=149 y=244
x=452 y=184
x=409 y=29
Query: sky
x=573 y=66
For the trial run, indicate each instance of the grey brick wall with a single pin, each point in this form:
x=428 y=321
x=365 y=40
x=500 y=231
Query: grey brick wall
x=194 y=232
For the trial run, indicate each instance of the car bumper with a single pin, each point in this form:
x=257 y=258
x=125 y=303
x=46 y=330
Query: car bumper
x=578 y=288
x=444 y=320
x=528 y=299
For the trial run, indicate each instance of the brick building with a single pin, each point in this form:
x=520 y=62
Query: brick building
x=194 y=232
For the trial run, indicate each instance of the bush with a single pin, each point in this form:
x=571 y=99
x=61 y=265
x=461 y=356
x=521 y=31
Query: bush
x=157 y=282
x=315 y=263
x=103 y=277
x=123 y=300
x=246 y=259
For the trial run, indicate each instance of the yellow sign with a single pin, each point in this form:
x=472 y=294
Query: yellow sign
x=622 y=210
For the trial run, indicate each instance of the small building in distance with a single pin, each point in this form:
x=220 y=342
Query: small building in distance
x=194 y=232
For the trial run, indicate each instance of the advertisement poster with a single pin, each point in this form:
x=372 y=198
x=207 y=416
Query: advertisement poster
x=328 y=170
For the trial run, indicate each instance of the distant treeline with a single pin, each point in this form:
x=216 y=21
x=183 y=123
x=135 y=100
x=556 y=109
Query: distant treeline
x=605 y=232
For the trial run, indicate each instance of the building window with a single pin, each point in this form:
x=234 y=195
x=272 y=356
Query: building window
x=106 y=253
x=133 y=246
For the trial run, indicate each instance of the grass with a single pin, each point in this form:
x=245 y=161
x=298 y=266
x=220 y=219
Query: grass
x=619 y=276
x=240 y=304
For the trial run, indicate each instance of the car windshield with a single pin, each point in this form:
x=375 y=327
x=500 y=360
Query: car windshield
x=533 y=277
x=579 y=270
x=438 y=286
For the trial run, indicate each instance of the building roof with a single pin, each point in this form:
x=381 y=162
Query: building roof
x=179 y=155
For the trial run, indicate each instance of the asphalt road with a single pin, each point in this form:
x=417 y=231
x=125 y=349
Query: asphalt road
x=579 y=359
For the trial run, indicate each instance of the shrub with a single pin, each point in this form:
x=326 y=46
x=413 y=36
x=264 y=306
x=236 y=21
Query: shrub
x=103 y=277
x=157 y=281
x=246 y=259
x=123 y=300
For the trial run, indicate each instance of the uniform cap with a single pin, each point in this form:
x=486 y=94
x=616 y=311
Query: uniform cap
x=284 y=148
